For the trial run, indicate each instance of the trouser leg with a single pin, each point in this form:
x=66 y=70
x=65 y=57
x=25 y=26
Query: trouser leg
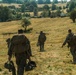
x=74 y=55
x=13 y=71
x=30 y=52
x=21 y=62
x=74 y=58
x=42 y=47
x=20 y=70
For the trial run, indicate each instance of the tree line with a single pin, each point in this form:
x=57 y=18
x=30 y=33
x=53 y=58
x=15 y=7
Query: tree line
x=12 y=13
x=37 y=1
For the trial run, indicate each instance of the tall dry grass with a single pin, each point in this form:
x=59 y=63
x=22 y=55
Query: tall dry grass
x=55 y=60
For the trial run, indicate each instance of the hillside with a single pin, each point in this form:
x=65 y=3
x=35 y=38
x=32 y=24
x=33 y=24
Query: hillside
x=55 y=60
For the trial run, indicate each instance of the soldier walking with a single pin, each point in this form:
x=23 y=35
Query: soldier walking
x=19 y=46
x=69 y=40
x=41 y=40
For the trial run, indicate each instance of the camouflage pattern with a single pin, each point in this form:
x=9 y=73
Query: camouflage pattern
x=41 y=40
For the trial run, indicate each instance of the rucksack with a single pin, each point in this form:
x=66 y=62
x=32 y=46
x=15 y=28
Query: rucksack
x=19 y=43
x=72 y=41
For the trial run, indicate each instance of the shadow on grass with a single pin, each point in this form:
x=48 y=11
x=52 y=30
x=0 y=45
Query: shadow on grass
x=9 y=33
x=28 y=30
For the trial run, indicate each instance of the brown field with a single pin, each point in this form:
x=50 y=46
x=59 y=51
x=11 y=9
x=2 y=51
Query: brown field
x=5 y=4
x=55 y=60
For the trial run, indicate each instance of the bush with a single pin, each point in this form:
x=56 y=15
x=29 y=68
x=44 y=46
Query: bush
x=64 y=7
x=53 y=7
x=45 y=14
x=73 y=15
x=25 y=23
x=12 y=7
x=18 y=16
x=40 y=8
x=26 y=15
x=46 y=7
x=35 y=12
x=53 y=15
x=5 y=13
x=59 y=7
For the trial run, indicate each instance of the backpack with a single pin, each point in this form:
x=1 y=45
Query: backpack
x=19 y=43
x=72 y=41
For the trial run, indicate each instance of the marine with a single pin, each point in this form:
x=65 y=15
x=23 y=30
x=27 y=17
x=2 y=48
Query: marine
x=19 y=47
x=41 y=41
x=70 y=41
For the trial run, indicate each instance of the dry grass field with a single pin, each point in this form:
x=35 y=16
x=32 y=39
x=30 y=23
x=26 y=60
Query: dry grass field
x=11 y=4
x=55 y=60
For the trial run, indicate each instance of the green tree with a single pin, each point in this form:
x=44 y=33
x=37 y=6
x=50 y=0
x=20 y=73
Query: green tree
x=46 y=7
x=55 y=1
x=18 y=16
x=73 y=15
x=58 y=12
x=25 y=23
x=32 y=5
x=22 y=8
x=9 y=1
x=72 y=5
x=40 y=1
x=35 y=11
x=4 y=13
x=47 y=2
x=4 y=1
x=29 y=6
x=53 y=7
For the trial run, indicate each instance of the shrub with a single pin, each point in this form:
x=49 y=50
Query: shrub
x=73 y=15
x=25 y=23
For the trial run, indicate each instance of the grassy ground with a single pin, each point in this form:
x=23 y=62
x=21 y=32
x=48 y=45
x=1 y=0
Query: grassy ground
x=55 y=60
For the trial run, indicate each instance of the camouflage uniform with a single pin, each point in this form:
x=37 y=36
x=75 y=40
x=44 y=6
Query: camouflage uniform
x=41 y=40
x=29 y=50
x=20 y=58
x=72 y=47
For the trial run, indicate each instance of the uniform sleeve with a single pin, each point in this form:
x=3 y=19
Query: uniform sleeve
x=10 y=49
x=39 y=38
x=27 y=43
